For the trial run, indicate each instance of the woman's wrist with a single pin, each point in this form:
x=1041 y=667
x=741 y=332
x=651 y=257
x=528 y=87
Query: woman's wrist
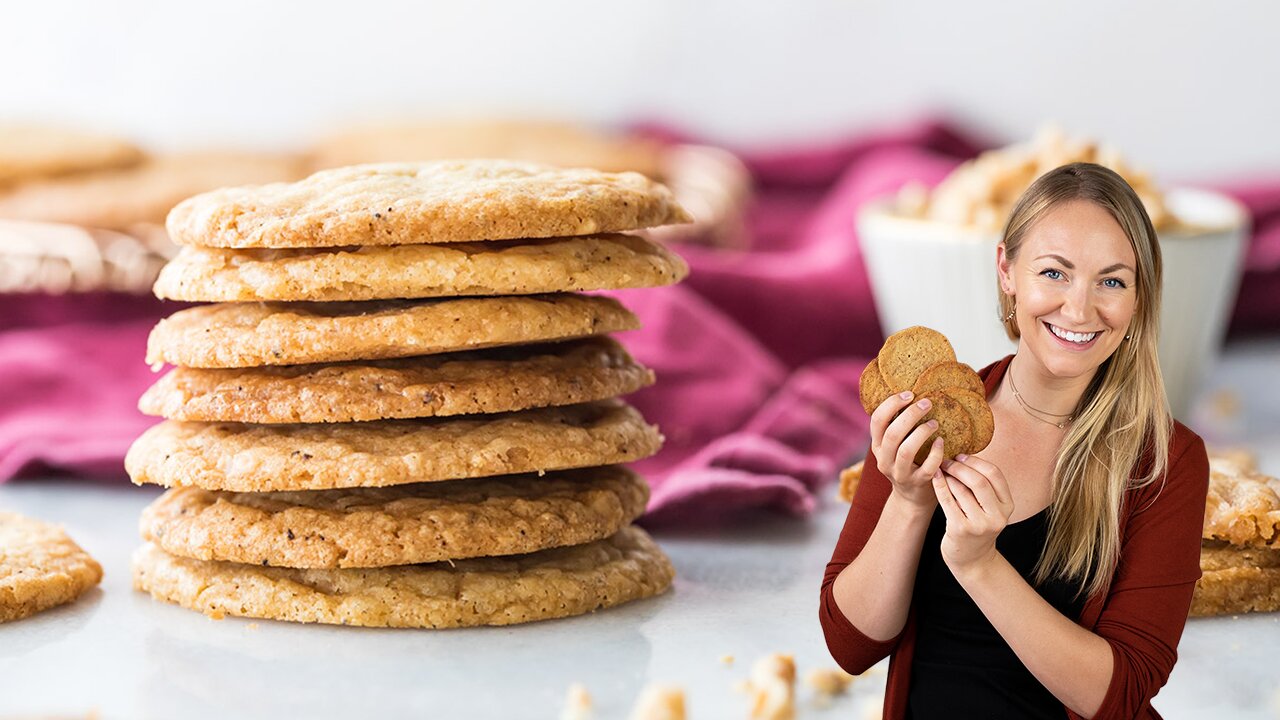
x=902 y=509
x=977 y=570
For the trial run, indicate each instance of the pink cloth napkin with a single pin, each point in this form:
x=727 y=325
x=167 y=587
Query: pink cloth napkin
x=758 y=353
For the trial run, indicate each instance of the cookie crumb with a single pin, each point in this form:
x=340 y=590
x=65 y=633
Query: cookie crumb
x=772 y=688
x=828 y=682
x=577 y=703
x=660 y=702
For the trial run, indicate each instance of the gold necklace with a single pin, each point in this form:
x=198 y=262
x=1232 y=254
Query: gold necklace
x=1032 y=411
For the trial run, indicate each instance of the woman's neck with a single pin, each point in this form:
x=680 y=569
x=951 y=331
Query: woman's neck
x=1054 y=396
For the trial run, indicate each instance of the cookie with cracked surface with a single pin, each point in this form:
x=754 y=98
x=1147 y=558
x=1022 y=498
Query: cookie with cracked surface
x=40 y=567
x=872 y=389
x=467 y=383
x=424 y=202
x=401 y=525
x=554 y=583
x=255 y=334
x=264 y=458
x=506 y=267
x=954 y=426
x=908 y=353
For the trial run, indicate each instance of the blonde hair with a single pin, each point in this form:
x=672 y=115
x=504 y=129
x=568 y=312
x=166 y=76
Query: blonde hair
x=1124 y=411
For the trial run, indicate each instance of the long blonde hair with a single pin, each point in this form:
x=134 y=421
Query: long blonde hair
x=1124 y=411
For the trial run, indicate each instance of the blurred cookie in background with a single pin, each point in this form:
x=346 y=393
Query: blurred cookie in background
x=120 y=199
x=711 y=183
x=29 y=152
x=56 y=258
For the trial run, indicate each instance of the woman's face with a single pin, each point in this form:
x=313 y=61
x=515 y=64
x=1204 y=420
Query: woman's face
x=1075 y=276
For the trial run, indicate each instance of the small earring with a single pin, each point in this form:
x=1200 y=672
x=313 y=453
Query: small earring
x=1013 y=309
x=1126 y=337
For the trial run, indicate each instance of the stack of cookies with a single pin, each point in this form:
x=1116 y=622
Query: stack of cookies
x=400 y=412
x=922 y=360
x=1240 y=553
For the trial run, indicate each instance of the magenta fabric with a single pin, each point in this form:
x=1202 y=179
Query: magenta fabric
x=758 y=353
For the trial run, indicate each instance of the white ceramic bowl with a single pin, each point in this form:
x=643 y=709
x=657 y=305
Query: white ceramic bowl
x=925 y=272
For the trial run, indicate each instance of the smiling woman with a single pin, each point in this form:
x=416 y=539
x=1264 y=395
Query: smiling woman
x=1050 y=574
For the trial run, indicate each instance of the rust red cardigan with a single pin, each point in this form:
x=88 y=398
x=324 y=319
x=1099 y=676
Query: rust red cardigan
x=1141 y=614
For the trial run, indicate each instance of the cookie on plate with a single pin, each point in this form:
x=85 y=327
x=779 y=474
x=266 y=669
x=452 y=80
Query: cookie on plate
x=554 y=583
x=40 y=567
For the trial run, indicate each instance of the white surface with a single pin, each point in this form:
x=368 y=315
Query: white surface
x=745 y=592
x=912 y=262
x=1179 y=85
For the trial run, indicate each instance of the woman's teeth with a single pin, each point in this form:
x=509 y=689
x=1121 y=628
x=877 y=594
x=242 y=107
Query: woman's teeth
x=1080 y=338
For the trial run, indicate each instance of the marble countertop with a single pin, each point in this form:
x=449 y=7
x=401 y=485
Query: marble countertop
x=743 y=591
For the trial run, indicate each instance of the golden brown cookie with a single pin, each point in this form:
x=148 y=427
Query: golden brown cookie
x=467 y=383
x=850 y=478
x=908 y=353
x=424 y=202
x=954 y=426
x=982 y=422
x=872 y=389
x=1236 y=580
x=267 y=458
x=144 y=193
x=514 y=267
x=40 y=567
x=255 y=334
x=483 y=591
x=29 y=151
x=402 y=525
x=1243 y=506
x=948 y=374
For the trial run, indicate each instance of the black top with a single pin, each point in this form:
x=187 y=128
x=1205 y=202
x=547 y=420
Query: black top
x=962 y=667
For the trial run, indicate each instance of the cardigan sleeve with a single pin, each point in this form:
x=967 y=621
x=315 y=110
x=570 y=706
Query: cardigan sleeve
x=850 y=648
x=1146 y=607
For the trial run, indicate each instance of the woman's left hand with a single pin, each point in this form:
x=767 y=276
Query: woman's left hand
x=976 y=501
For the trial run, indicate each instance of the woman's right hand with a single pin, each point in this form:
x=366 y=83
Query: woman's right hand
x=896 y=437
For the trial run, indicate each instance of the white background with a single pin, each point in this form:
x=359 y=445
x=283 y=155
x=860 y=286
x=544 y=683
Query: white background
x=1187 y=89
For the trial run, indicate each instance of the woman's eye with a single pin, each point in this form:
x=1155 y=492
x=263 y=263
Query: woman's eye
x=1118 y=283
x=1052 y=274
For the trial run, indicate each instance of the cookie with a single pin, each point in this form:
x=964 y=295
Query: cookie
x=40 y=567
x=907 y=353
x=850 y=478
x=144 y=193
x=954 y=426
x=1236 y=580
x=948 y=374
x=872 y=389
x=484 y=591
x=982 y=422
x=29 y=151
x=255 y=334
x=480 y=381
x=265 y=458
x=1243 y=506
x=515 y=267
x=402 y=525
x=424 y=202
